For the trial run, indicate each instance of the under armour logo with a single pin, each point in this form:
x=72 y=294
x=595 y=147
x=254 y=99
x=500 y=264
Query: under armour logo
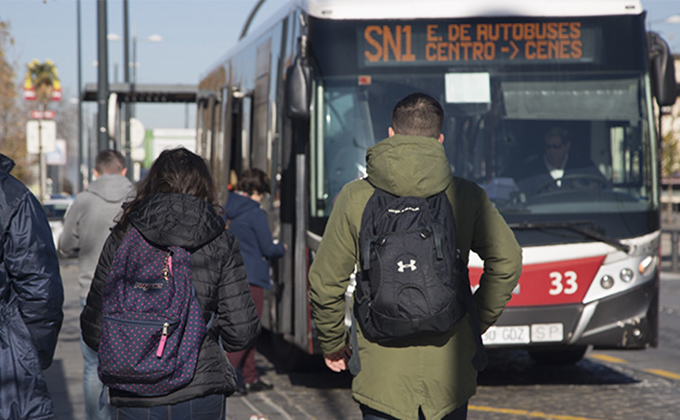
x=411 y=265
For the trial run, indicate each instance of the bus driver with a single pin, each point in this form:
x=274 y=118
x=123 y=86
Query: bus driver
x=557 y=169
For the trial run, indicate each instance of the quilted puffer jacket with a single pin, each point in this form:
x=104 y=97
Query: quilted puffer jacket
x=31 y=299
x=219 y=278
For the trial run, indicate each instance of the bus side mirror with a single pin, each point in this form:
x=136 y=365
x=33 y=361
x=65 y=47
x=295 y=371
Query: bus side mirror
x=662 y=70
x=298 y=89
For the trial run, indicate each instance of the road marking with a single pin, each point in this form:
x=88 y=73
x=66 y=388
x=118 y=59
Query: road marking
x=251 y=406
x=527 y=413
x=276 y=407
x=664 y=373
x=606 y=358
x=657 y=372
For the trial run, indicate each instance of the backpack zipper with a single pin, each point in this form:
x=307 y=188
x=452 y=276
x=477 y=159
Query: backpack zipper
x=166 y=272
x=164 y=337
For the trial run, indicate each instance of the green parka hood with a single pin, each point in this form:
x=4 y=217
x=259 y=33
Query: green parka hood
x=408 y=165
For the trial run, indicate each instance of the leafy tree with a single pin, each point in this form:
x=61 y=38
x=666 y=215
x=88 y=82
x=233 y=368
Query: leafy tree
x=13 y=111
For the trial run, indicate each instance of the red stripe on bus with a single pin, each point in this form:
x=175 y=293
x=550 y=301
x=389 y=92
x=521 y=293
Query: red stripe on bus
x=553 y=283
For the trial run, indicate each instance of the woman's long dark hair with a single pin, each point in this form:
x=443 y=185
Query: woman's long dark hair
x=174 y=171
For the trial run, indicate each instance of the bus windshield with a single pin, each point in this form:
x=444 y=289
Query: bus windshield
x=548 y=141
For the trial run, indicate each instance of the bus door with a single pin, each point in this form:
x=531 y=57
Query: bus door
x=260 y=152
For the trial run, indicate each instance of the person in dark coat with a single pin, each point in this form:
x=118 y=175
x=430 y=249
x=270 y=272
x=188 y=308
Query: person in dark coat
x=31 y=301
x=176 y=206
x=248 y=222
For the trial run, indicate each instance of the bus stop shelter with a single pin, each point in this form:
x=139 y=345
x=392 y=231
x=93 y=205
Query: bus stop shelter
x=144 y=93
x=131 y=94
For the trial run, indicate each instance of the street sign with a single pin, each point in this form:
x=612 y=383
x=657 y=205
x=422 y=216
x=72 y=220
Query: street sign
x=43 y=115
x=37 y=129
x=58 y=157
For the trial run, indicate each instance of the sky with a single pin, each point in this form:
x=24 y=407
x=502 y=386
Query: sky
x=47 y=29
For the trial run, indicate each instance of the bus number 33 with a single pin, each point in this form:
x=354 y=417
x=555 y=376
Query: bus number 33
x=563 y=283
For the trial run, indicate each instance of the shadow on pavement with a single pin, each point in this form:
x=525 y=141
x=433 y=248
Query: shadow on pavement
x=301 y=368
x=515 y=367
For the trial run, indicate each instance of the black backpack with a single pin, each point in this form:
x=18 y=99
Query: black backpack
x=411 y=282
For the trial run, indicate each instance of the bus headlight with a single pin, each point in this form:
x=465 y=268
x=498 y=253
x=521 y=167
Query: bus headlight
x=646 y=264
x=607 y=282
x=626 y=275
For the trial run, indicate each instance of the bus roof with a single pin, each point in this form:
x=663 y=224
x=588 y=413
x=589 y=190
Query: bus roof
x=410 y=9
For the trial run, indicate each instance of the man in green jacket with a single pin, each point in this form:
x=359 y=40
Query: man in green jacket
x=430 y=378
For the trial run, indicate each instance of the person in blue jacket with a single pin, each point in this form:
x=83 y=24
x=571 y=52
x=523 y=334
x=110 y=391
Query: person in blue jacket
x=248 y=222
x=31 y=301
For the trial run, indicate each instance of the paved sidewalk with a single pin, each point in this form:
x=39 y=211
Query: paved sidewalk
x=65 y=376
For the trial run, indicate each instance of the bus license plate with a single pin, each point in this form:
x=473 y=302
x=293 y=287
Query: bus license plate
x=524 y=334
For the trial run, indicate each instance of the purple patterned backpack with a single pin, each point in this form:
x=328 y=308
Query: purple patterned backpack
x=152 y=324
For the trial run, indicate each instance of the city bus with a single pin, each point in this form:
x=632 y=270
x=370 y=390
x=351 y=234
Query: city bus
x=305 y=95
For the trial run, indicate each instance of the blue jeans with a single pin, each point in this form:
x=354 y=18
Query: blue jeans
x=212 y=407
x=459 y=413
x=92 y=386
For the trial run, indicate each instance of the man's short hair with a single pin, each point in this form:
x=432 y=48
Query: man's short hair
x=418 y=114
x=109 y=162
x=560 y=132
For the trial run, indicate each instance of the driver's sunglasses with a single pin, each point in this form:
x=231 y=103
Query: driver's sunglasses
x=554 y=146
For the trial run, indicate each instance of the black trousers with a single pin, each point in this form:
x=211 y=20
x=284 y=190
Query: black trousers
x=459 y=413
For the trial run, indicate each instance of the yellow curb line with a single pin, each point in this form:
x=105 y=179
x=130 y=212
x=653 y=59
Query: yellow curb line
x=657 y=372
x=527 y=413
x=664 y=373
x=606 y=358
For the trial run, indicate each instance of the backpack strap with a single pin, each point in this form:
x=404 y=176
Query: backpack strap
x=366 y=246
x=354 y=363
x=437 y=242
x=366 y=252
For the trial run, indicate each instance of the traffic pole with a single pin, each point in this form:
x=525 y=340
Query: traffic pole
x=102 y=78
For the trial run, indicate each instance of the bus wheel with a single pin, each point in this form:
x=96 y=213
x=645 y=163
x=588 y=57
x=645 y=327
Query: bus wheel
x=558 y=356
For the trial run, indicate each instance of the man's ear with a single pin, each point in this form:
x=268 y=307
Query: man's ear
x=95 y=173
x=124 y=171
x=390 y=132
x=441 y=138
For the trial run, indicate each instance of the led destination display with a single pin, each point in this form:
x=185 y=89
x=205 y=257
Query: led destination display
x=477 y=43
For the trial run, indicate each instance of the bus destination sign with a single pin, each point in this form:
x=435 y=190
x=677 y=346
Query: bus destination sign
x=476 y=43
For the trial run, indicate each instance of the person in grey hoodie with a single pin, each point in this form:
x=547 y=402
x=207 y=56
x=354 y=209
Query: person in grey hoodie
x=87 y=224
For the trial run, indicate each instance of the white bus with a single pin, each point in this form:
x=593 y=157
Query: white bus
x=306 y=94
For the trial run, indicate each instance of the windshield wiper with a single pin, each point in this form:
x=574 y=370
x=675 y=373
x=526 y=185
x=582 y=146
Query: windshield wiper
x=578 y=227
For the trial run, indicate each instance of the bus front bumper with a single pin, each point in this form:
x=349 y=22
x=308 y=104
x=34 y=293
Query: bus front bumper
x=627 y=320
